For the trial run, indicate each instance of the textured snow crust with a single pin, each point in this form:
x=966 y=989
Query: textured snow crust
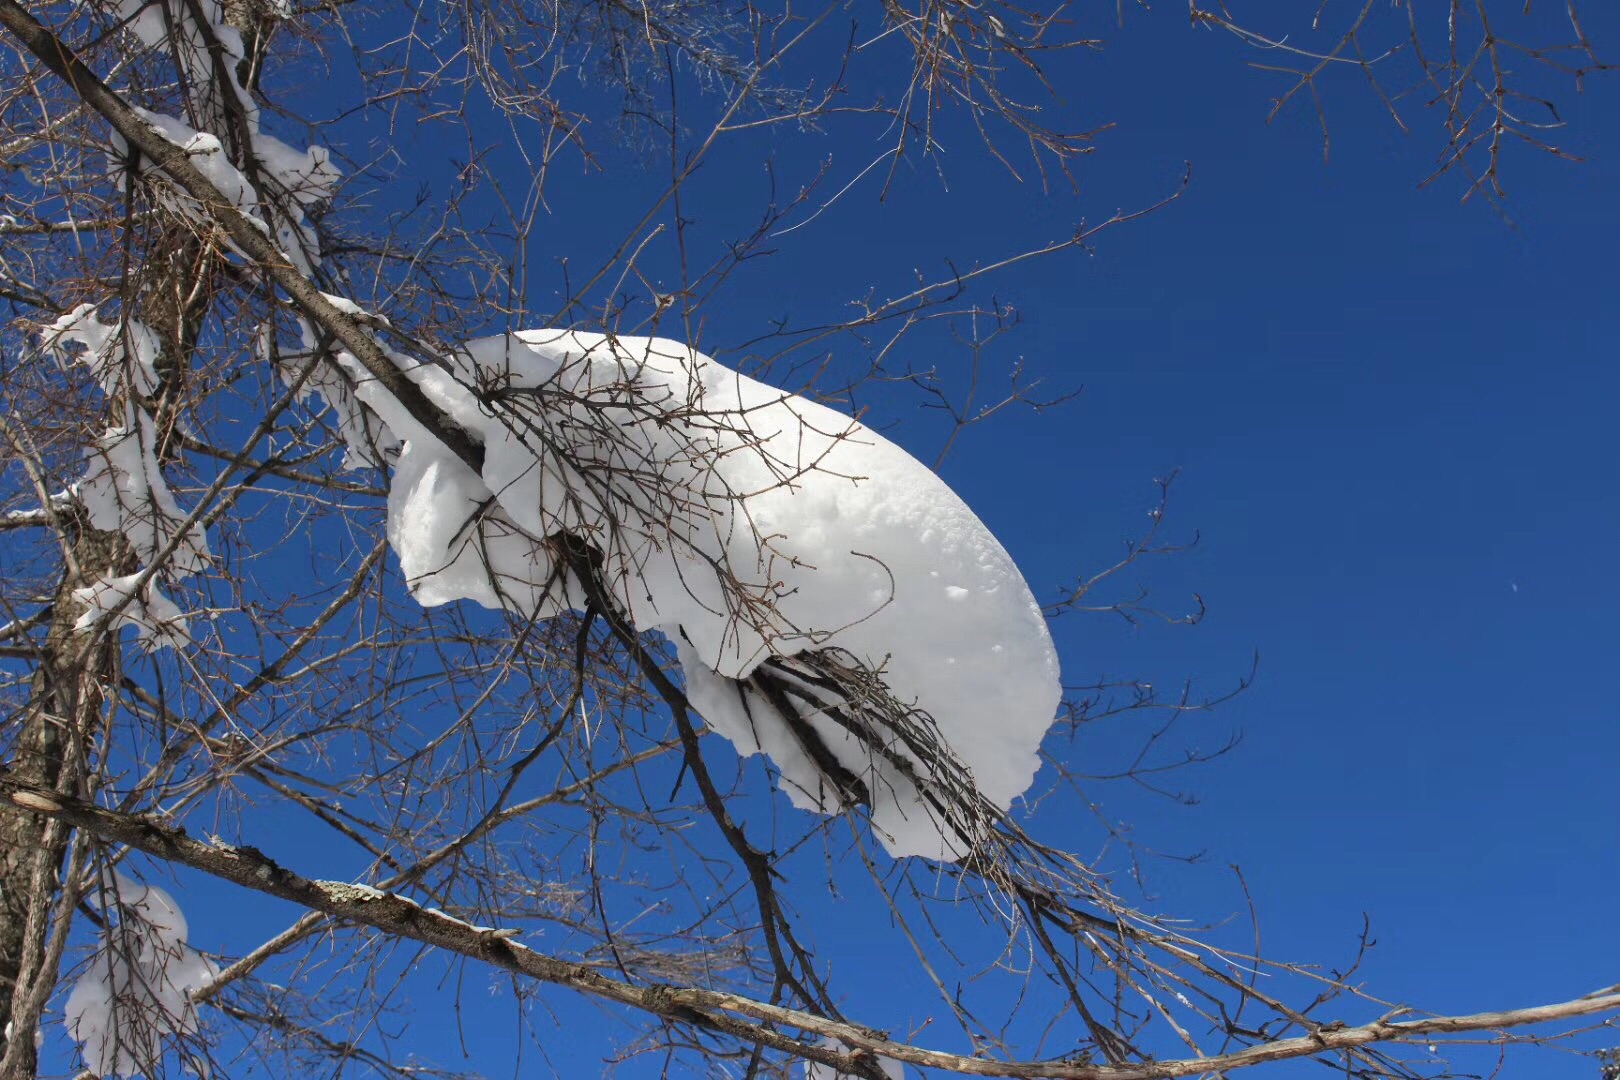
x=744 y=523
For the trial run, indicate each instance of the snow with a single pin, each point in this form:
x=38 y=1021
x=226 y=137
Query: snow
x=747 y=525
x=60 y=501
x=157 y=620
x=290 y=180
x=123 y=488
x=39 y=1035
x=349 y=307
x=331 y=383
x=281 y=182
x=815 y=1070
x=135 y=991
x=307 y=175
x=123 y=480
x=207 y=155
x=118 y=354
x=358 y=889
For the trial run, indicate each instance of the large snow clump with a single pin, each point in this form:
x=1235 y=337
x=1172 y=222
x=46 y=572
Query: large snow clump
x=750 y=526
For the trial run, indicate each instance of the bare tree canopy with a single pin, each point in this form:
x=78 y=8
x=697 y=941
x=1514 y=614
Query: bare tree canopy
x=501 y=607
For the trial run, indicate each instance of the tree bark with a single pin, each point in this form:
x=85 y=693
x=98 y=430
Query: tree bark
x=74 y=685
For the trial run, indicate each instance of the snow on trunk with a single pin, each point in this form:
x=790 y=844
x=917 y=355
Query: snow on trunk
x=123 y=489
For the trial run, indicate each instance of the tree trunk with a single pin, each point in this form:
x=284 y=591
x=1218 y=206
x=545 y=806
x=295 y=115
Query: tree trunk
x=68 y=696
x=76 y=681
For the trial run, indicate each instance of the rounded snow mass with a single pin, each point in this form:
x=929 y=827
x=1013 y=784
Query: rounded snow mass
x=750 y=526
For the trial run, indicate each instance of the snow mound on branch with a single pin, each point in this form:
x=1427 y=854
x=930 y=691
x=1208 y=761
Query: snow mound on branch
x=123 y=489
x=290 y=180
x=117 y=354
x=747 y=524
x=136 y=991
x=371 y=445
x=158 y=621
x=281 y=181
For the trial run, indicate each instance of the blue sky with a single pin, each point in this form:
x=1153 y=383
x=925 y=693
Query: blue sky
x=1393 y=416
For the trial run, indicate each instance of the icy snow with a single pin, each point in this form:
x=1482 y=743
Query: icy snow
x=135 y=991
x=744 y=523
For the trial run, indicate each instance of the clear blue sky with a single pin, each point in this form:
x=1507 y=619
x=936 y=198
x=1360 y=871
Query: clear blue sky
x=1395 y=421
x=1395 y=418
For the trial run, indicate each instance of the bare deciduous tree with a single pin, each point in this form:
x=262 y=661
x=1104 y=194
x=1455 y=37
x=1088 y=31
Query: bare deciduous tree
x=225 y=329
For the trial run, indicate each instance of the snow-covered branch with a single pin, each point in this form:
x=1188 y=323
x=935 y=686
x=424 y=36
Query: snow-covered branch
x=245 y=232
x=135 y=992
x=750 y=526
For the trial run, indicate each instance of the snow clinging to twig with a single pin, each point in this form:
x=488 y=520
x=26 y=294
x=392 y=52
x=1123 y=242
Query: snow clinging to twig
x=135 y=992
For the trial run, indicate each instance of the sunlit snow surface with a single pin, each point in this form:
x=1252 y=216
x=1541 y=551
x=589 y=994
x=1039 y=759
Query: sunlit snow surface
x=742 y=522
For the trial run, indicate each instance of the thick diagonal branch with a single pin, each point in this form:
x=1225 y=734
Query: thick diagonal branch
x=729 y=1014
